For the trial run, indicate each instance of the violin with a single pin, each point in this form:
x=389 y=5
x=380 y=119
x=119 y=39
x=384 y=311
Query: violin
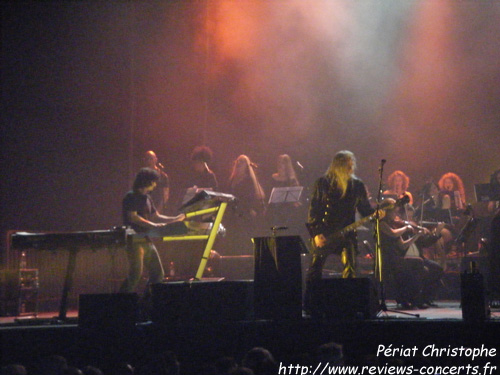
x=398 y=223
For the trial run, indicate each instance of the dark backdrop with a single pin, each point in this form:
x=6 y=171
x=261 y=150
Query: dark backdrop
x=87 y=87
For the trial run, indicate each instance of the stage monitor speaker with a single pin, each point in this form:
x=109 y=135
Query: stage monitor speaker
x=344 y=299
x=202 y=301
x=473 y=298
x=9 y=292
x=108 y=311
x=278 y=277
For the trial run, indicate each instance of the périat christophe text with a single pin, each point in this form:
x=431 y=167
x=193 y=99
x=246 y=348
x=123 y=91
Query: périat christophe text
x=435 y=351
x=385 y=352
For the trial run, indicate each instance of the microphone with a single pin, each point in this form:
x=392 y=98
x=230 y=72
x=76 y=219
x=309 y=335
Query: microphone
x=300 y=165
x=160 y=165
x=381 y=168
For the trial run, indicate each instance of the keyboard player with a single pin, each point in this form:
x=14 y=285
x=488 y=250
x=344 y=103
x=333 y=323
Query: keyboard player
x=140 y=214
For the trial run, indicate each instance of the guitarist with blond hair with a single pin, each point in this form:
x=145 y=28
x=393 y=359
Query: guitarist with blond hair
x=336 y=197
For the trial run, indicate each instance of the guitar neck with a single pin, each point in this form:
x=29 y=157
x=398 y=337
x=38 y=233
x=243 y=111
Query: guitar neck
x=358 y=223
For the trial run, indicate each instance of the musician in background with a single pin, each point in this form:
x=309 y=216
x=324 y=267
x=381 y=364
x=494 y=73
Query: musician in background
x=494 y=259
x=416 y=279
x=451 y=192
x=244 y=184
x=287 y=215
x=398 y=183
x=430 y=213
x=139 y=212
x=285 y=175
x=494 y=240
x=162 y=192
x=244 y=220
x=493 y=205
x=201 y=175
x=336 y=197
x=428 y=209
x=452 y=200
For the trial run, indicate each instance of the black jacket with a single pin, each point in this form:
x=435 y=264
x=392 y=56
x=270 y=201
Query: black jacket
x=329 y=212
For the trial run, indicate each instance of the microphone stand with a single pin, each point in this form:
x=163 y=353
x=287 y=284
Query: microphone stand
x=378 y=252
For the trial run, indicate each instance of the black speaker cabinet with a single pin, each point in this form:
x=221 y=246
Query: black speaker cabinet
x=344 y=299
x=473 y=297
x=202 y=301
x=237 y=267
x=9 y=292
x=278 y=277
x=108 y=311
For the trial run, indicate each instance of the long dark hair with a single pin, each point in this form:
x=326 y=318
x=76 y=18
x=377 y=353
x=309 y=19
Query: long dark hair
x=144 y=178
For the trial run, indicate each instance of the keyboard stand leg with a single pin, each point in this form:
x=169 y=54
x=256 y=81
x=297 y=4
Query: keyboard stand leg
x=211 y=240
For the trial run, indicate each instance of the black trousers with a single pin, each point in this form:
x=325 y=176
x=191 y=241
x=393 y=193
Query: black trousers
x=315 y=271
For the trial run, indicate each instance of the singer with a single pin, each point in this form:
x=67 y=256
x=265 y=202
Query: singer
x=336 y=197
x=244 y=220
x=161 y=194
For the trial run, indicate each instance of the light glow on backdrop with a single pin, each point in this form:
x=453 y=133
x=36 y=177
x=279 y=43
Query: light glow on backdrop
x=386 y=79
x=415 y=82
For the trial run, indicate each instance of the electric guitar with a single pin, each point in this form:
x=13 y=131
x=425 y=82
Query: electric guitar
x=335 y=240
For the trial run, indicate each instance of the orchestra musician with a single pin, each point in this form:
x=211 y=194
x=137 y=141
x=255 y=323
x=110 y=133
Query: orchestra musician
x=334 y=201
x=493 y=205
x=201 y=175
x=494 y=240
x=398 y=183
x=161 y=194
x=429 y=214
x=428 y=208
x=451 y=192
x=139 y=212
x=494 y=258
x=416 y=278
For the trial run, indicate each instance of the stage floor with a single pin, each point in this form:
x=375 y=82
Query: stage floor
x=25 y=338
x=446 y=310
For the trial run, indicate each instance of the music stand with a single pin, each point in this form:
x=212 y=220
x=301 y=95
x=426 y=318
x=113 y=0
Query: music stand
x=286 y=194
x=484 y=193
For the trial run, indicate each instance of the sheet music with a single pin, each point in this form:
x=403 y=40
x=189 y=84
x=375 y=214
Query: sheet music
x=290 y=194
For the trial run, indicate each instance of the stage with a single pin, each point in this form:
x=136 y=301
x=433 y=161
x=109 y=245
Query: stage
x=196 y=343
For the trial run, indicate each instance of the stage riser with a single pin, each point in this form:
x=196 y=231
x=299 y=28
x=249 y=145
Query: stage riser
x=108 y=311
x=236 y=267
x=202 y=302
x=102 y=271
x=197 y=344
x=341 y=299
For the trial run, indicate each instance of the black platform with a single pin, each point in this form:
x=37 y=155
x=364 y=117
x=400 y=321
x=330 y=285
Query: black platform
x=199 y=342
